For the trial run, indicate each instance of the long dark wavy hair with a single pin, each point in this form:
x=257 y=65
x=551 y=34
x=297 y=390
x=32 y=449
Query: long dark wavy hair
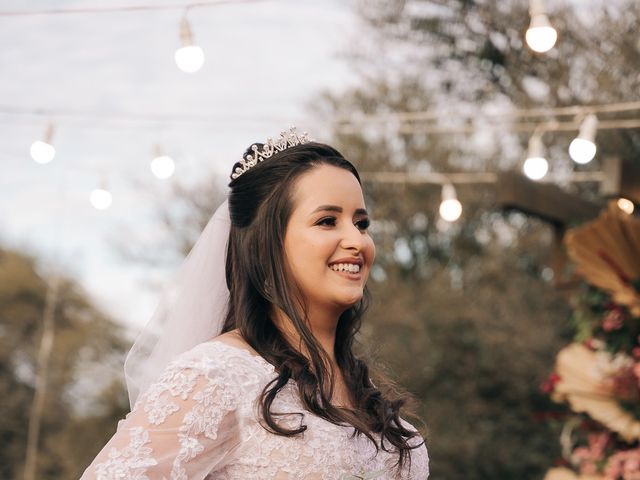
x=260 y=204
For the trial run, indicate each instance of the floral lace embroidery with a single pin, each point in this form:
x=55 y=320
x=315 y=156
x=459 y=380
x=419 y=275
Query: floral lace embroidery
x=215 y=386
x=131 y=462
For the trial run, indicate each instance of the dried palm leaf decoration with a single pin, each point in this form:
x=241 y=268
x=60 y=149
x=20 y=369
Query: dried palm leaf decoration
x=607 y=254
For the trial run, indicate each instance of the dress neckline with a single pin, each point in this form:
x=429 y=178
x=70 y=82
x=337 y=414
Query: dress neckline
x=256 y=358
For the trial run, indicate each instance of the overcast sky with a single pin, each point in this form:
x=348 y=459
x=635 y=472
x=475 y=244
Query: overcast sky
x=88 y=73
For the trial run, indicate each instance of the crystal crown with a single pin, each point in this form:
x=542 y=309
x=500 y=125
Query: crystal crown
x=288 y=138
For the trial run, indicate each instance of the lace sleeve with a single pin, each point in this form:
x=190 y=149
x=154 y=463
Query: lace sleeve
x=183 y=427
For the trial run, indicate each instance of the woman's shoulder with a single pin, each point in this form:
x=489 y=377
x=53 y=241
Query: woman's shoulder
x=215 y=365
x=233 y=338
x=419 y=453
x=228 y=353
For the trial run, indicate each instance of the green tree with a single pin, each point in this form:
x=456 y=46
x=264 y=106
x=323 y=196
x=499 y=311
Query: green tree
x=83 y=395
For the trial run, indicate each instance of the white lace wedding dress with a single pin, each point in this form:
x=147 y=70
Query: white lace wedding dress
x=199 y=421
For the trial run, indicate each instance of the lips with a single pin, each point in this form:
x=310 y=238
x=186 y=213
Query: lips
x=349 y=260
x=344 y=267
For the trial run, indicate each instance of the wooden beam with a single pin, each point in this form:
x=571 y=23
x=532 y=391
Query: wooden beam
x=621 y=178
x=543 y=200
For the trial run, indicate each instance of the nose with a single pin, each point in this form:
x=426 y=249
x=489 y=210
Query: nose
x=353 y=239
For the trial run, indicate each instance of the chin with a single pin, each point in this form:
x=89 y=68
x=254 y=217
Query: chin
x=347 y=302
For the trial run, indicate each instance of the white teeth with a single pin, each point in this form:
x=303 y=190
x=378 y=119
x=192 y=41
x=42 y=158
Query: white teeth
x=345 y=267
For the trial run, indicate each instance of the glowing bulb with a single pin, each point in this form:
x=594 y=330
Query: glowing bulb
x=100 y=199
x=42 y=152
x=450 y=208
x=583 y=148
x=541 y=36
x=626 y=205
x=535 y=167
x=163 y=166
x=190 y=58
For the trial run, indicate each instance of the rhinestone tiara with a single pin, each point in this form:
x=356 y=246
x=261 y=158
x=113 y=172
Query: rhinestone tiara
x=288 y=138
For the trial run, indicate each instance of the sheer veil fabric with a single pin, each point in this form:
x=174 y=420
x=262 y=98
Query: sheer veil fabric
x=191 y=310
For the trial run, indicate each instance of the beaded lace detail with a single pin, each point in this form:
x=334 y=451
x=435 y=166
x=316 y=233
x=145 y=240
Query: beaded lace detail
x=200 y=421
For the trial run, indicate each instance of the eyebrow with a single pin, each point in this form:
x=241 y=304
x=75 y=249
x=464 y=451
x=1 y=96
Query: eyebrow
x=335 y=208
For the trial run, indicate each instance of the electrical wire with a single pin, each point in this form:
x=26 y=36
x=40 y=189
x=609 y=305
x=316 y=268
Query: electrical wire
x=426 y=115
x=622 y=124
x=356 y=125
x=438 y=178
x=122 y=8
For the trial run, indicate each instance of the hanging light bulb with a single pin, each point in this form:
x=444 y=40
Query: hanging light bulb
x=626 y=205
x=41 y=150
x=540 y=36
x=535 y=166
x=582 y=149
x=100 y=197
x=450 y=207
x=189 y=57
x=162 y=166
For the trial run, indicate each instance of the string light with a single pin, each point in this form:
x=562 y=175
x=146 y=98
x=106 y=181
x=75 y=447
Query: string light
x=162 y=166
x=535 y=166
x=189 y=57
x=406 y=122
x=540 y=36
x=450 y=208
x=42 y=151
x=583 y=148
x=626 y=205
x=101 y=197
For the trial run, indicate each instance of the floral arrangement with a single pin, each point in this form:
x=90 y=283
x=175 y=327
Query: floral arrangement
x=598 y=376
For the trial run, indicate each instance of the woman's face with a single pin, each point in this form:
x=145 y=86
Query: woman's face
x=326 y=243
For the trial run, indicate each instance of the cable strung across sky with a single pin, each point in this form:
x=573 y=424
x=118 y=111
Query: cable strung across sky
x=122 y=8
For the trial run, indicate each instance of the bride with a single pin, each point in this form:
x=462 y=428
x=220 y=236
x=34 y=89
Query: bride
x=247 y=369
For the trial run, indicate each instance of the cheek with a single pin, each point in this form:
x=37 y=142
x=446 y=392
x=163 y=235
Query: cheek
x=370 y=252
x=309 y=254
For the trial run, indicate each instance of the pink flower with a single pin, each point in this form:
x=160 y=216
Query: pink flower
x=598 y=443
x=590 y=456
x=624 y=464
x=613 y=320
x=625 y=385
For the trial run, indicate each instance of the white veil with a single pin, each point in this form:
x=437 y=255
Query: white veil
x=194 y=306
x=191 y=311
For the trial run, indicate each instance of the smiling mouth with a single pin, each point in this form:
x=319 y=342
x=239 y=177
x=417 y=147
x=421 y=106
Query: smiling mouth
x=345 y=267
x=351 y=275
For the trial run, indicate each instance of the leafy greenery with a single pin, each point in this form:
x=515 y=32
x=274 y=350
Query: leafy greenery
x=83 y=399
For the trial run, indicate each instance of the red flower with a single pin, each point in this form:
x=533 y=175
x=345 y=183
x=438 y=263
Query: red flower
x=549 y=384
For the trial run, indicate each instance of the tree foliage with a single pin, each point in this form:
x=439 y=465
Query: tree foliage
x=83 y=399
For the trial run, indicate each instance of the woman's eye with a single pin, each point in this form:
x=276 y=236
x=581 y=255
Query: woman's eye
x=363 y=224
x=331 y=221
x=328 y=221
